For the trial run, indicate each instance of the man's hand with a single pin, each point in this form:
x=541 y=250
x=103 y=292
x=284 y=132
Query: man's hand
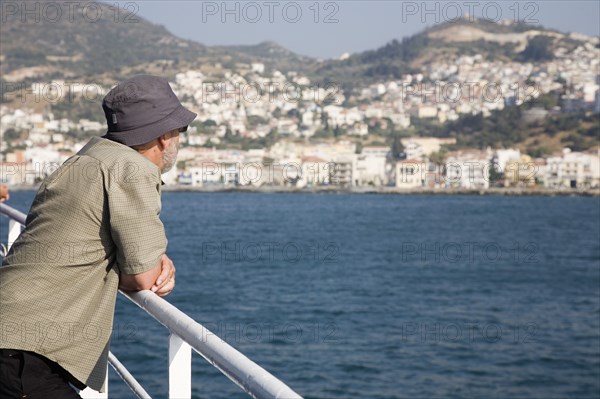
x=166 y=280
x=4 y=195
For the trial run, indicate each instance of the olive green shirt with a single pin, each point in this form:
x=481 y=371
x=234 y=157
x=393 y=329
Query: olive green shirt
x=97 y=215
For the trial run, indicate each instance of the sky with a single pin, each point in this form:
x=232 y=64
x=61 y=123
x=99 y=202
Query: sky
x=328 y=29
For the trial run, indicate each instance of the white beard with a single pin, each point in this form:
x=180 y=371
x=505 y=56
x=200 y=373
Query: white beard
x=170 y=156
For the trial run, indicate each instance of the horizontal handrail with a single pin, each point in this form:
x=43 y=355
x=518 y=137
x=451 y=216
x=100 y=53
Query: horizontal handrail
x=126 y=376
x=248 y=375
x=12 y=213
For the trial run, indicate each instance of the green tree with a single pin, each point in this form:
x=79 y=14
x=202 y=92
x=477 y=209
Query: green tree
x=359 y=147
x=397 y=148
x=323 y=134
x=11 y=135
x=439 y=157
x=538 y=49
x=325 y=120
x=495 y=175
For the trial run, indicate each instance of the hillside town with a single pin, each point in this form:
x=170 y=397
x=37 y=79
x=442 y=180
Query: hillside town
x=249 y=102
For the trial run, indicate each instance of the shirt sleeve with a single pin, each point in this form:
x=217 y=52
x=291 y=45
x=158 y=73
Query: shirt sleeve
x=135 y=225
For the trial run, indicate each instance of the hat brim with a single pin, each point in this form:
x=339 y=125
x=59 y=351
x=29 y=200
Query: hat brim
x=180 y=117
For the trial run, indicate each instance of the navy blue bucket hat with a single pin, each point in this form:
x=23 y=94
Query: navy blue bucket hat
x=142 y=109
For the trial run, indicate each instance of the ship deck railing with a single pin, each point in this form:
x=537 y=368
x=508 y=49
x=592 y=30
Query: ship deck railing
x=186 y=335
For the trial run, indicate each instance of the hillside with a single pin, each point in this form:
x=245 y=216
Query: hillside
x=270 y=53
x=116 y=44
x=79 y=48
x=509 y=42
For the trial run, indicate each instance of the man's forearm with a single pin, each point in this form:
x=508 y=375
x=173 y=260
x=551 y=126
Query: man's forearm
x=140 y=281
x=160 y=279
x=129 y=285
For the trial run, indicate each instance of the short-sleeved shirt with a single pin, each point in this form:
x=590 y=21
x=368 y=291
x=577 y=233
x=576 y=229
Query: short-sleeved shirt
x=96 y=216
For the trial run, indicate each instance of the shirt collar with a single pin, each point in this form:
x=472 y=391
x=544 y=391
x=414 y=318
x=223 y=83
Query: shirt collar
x=137 y=154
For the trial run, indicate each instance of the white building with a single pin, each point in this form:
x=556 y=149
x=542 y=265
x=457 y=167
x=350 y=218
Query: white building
x=573 y=170
x=315 y=171
x=419 y=147
x=503 y=156
x=343 y=172
x=468 y=169
x=359 y=129
x=371 y=166
x=410 y=173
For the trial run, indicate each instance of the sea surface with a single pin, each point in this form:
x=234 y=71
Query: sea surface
x=380 y=296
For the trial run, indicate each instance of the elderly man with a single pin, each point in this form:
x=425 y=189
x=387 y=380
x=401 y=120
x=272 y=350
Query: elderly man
x=93 y=227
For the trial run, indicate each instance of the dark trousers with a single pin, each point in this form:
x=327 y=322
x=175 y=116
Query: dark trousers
x=29 y=375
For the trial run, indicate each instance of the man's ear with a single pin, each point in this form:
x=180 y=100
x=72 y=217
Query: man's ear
x=162 y=141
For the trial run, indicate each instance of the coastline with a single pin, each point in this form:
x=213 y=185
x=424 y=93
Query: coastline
x=392 y=191
x=516 y=192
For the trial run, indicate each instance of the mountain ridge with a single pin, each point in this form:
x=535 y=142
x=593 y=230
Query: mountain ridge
x=110 y=50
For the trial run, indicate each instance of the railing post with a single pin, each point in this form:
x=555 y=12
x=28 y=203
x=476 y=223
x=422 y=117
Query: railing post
x=180 y=368
x=14 y=229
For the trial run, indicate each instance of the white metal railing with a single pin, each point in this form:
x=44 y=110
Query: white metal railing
x=186 y=334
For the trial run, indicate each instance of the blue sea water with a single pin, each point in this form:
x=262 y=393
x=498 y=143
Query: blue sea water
x=380 y=296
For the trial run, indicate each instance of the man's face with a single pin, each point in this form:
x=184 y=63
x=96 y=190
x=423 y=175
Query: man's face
x=170 y=153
